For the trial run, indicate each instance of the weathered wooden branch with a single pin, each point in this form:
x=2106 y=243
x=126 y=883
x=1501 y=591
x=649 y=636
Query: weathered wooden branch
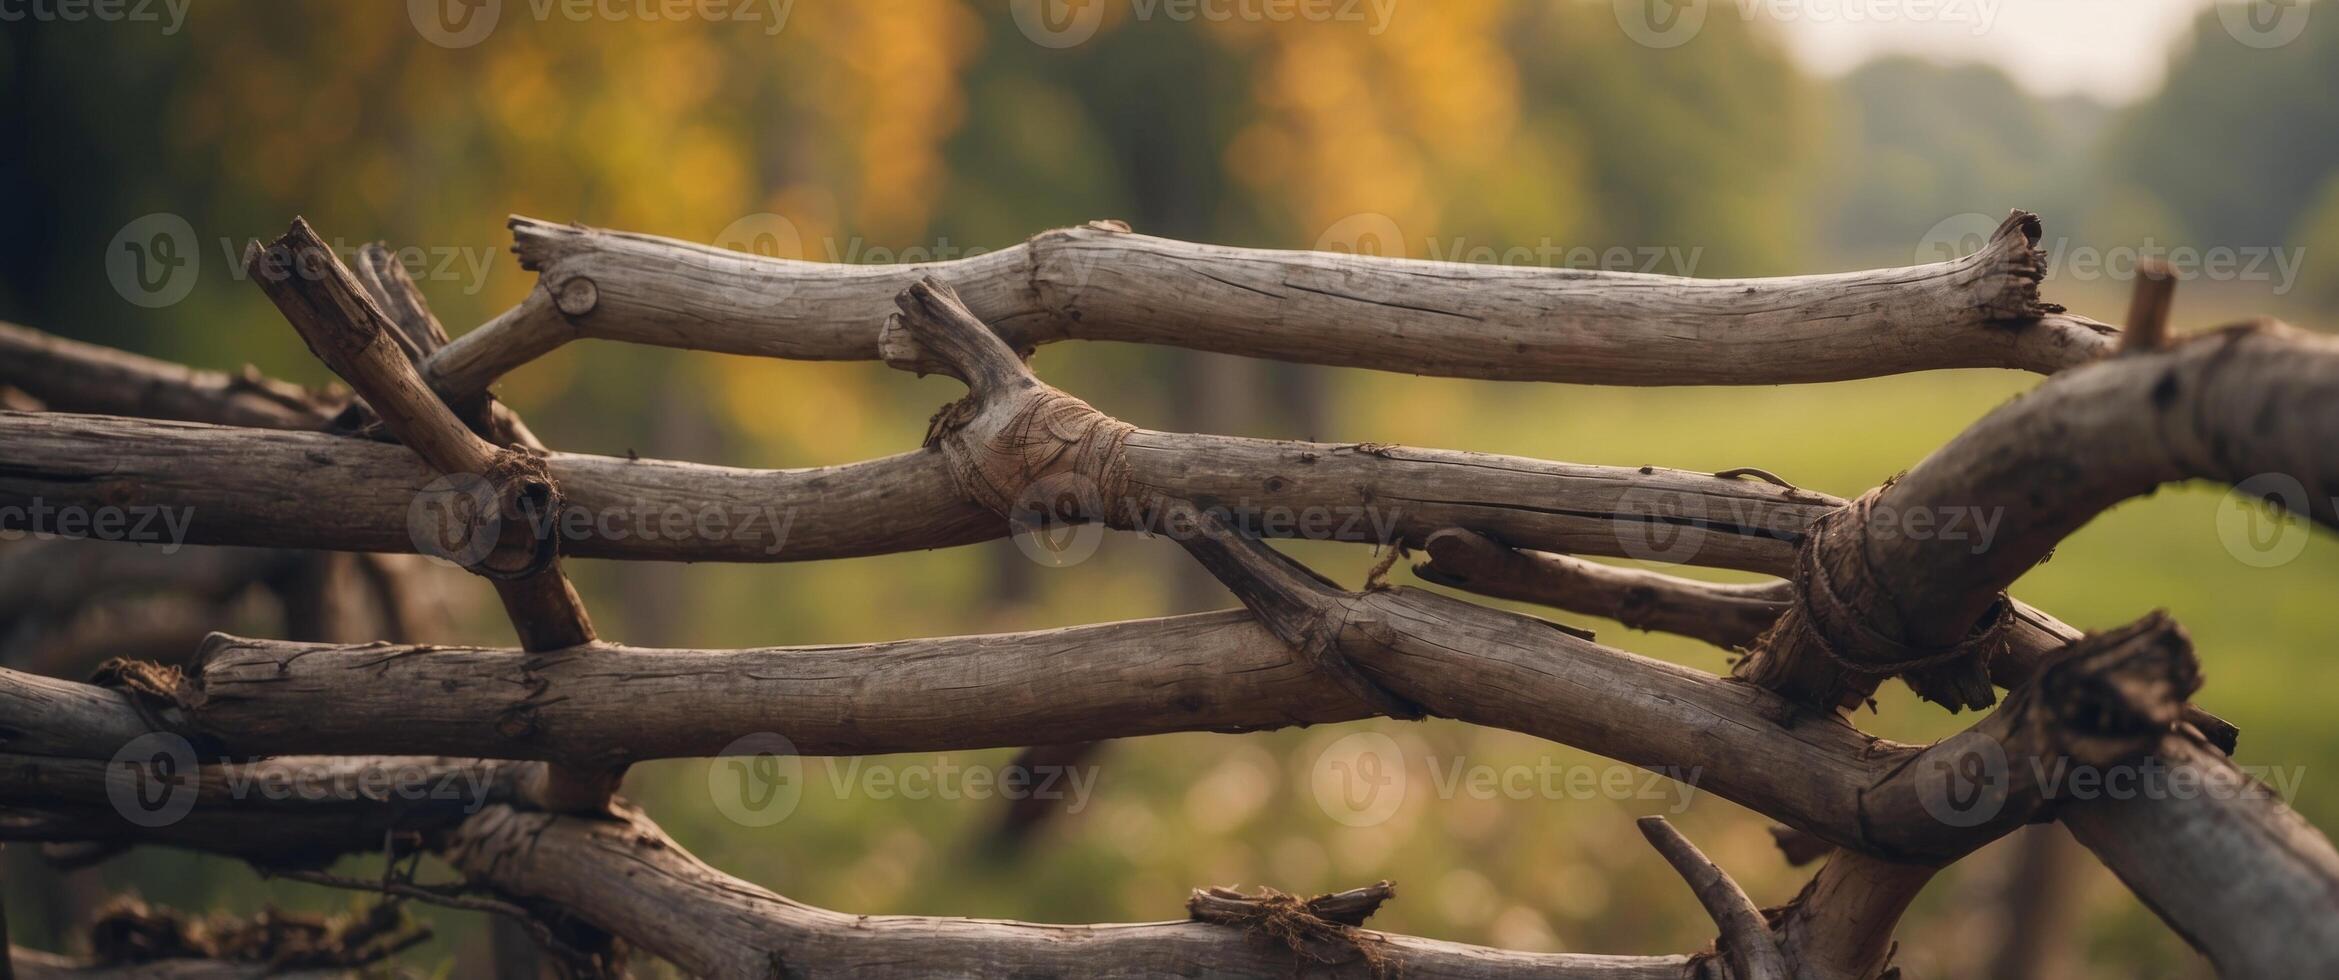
x=1348 y=492
x=287 y=812
x=350 y=333
x=1840 y=927
x=1746 y=938
x=32 y=964
x=74 y=376
x=1727 y=616
x=1884 y=585
x=311 y=490
x=1732 y=617
x=1229 y=673
x=711 y=924
x=714 y=925
x=2238 y=874
x=1101 y=282
x=1866 y=591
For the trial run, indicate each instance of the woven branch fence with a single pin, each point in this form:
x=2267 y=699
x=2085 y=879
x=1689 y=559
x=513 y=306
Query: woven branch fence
x=540 y=735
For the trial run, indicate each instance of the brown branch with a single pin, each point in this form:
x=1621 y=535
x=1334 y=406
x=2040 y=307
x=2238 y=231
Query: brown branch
x=345 y=329
x=1013 y=432
x=1727 y=616
x=2238 y=874
x=1841 y=926
x=68 y=375
x=310 y=490
x=347 y=494
x=1746 y=938
x=714 y=925
x=1228 y=673
x=214 y=485
x=2260 y=399
x=1100 y=282
x=2148 y=308
x=711 y=924
x=37 y=965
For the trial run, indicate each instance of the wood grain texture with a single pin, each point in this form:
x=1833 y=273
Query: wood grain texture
x=714 y=925
x=311 y=490
x=70 y=375
x=2232 y=868
x=2259 y=401
x=1101 y=282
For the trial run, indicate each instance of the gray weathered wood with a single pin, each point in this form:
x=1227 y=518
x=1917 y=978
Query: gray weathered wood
x=1101 y=282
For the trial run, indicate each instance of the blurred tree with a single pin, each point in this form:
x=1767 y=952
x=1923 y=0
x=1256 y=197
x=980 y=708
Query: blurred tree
x=2195 y=144
x=1918 y=142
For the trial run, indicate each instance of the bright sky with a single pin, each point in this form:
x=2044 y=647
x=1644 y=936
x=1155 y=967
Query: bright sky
x=2113 y=50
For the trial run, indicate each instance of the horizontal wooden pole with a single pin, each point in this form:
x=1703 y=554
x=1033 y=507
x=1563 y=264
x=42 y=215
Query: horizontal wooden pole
x=1101 y=282
x=224 y=485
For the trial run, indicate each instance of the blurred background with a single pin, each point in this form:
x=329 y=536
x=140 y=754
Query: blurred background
x=1724 y=139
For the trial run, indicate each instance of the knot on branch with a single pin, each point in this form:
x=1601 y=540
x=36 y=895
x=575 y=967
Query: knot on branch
x=525 y=493
x=501 y=522
x=155 y=690
x=1050 y=458
x=1025 y=450
x=2112 y=695
x=1842 y=636
x=1323 y=930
